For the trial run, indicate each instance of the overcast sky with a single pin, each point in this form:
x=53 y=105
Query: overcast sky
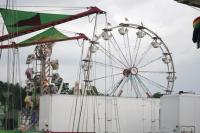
x=170 y=20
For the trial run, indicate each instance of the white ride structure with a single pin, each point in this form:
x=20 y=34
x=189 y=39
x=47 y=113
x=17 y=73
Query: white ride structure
x=129 y=60
x=42 y=79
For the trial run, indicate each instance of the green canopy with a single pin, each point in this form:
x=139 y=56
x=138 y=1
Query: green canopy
x=17 y=21
x=50 y=35
x=47 y=37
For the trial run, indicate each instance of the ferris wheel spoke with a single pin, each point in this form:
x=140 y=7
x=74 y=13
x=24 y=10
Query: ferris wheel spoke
x=144 y=54
x=134 y=50
x=154 y=72
x=137 y=46
x=120 y=50
x=145 y=88
x=119 y=53
x=103 y=77
x=150 y=62
x=123 y=83
x=116 y=86
x=132 y=87
x=107 y=65
x=135 y=86
x=111 y=56
x=126 y=50
x=159 y=86
x=139 y=83
x=129 y=48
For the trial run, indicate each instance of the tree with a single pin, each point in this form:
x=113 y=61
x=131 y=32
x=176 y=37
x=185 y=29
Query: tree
x=15 y=91
x=157 y=95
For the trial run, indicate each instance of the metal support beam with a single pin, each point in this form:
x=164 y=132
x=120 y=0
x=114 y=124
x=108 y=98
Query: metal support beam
x=16 y=45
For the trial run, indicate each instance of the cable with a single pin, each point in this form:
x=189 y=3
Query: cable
x=86 y=84
x=20 y=82
x=51 y=6
x=138 y=47
x=79 y=78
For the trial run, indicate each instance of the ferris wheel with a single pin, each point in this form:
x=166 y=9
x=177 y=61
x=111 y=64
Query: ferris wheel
x=128 y=60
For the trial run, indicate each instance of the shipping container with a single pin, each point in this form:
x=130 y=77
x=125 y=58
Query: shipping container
x=69 y=113
x=180 y=113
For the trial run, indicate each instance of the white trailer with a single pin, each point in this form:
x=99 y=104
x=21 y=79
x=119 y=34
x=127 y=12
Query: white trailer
x=180 y=114
x=115 y=114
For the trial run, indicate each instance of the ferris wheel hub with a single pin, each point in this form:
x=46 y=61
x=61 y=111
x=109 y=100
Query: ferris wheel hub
x=134 y=70
x=130 y=71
